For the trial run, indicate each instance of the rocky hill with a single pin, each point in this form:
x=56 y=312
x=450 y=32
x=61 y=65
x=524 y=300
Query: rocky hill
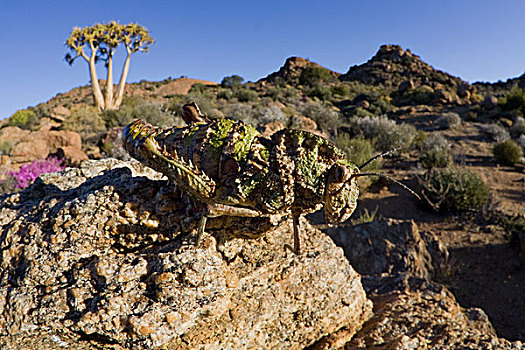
x=394 y=65
x=291 y=71
x=101 y=254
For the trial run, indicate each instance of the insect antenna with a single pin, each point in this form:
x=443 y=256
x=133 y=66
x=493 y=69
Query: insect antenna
x=381 y=155
x=391 y=179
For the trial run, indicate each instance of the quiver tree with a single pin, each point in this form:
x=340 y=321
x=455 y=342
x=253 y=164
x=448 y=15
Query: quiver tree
x=98 y=44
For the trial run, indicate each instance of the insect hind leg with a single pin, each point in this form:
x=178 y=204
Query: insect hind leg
x=215 y=210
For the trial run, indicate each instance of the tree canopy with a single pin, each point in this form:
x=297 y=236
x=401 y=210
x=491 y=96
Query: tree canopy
x=98 y=43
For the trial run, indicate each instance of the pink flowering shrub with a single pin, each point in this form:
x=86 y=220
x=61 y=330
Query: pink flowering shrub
x=29 y=172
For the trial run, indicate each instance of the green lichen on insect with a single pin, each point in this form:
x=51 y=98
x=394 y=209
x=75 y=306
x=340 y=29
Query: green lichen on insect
x=235 y=171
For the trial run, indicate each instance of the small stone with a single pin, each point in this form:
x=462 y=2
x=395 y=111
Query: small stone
x=172 y=318
x=145 y=330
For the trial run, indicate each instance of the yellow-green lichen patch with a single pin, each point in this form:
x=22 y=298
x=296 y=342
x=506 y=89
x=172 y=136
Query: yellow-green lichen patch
x=310 y=166
x=219 y=135
x=242 y=147
x=265 y=154
x=247 y=187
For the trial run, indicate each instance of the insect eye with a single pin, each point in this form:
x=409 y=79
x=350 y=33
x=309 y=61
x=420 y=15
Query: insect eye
x=339 y=173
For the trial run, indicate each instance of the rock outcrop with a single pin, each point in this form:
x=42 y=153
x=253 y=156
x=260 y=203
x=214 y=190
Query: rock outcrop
x=28 y=145
x=410 y=311
x=292 y=69
x=104 y=254
x=180 y=86
x=393 y=64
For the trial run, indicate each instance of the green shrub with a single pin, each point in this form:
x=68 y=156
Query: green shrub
x=245 y=95
x=496 y=132
x=521 y=141
x=85 y=120
x=43 y=109
x=384 y=104
x=172 y=109
x=24 y=119
x=275 y=93
x=448 y=120
x=133 y=108
x=340 y=90
x=198 y=88
x=454 y=189
x=514 y=100
x=8 y=185
x=311 y=76
x=358 y=112
x=367 y=217
x=326 y=118
x=513 y=225
x=386 y=132
x=290 y=92
x=321 y=92
x=507 y=152
x=243 y=111
x=358 y=150
x=518 y=128
x=232 y=81
x=5 y=147
x=270 y=114
x=422 y=95
x=224 y=94
x=435 y=152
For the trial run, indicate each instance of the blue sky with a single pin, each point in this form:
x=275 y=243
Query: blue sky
x=475 y=40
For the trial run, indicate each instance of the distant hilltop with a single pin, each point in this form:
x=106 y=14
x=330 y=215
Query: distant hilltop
x=391 y=66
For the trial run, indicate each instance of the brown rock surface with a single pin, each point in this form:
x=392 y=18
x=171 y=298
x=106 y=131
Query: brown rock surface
x=397 y=261
x=12 y=134
x=300 y=122
x=269 y=128
x=60 y=113
x=426 y=316
x=180 y=86
x=39 y=144
x=97 y=252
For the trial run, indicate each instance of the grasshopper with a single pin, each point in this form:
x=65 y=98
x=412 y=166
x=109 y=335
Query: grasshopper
x=235 y=171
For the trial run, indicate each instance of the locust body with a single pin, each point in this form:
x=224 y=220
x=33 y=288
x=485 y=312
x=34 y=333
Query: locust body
x=236 y=171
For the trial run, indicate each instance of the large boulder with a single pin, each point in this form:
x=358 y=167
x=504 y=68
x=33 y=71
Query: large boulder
x=39 y=144
x=12 y=134
x=105 y=253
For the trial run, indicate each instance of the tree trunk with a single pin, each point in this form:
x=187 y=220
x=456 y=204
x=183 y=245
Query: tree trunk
x=109 y=83
x=122 y=82
x=95 y=86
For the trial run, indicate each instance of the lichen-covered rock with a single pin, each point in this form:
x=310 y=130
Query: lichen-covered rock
x=105 y=253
